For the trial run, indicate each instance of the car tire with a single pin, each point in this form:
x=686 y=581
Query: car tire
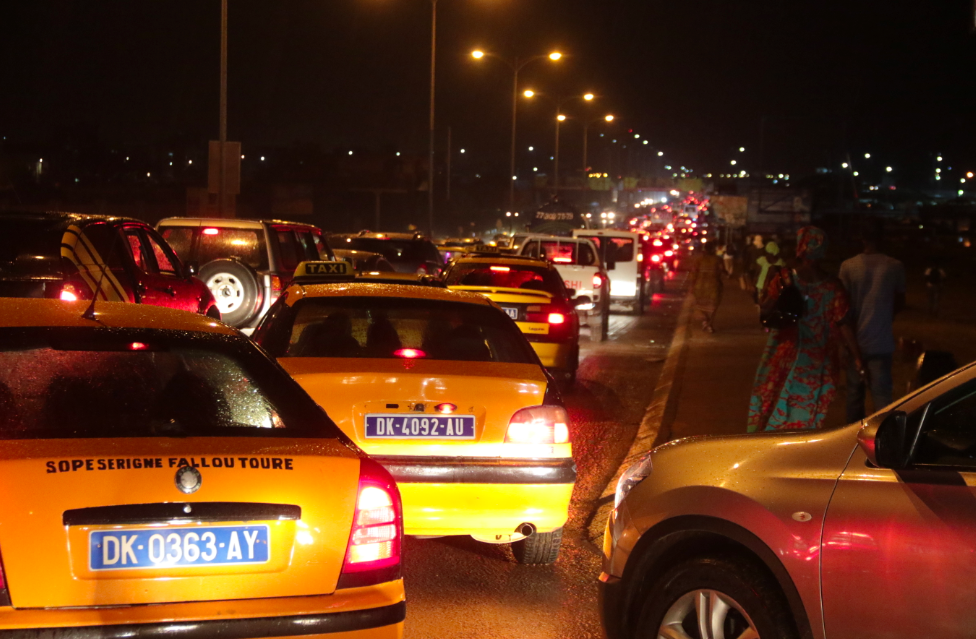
x=748 y=598
x=538 y=548
x=235 y=288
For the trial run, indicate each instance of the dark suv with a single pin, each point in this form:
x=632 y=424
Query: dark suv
x=407 y=252
x=69 y=256
x=245 y=263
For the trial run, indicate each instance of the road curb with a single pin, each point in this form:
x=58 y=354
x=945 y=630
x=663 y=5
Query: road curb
x=655 y=428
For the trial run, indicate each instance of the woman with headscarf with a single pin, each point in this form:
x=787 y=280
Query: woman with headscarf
x=798 y=373
x=707 y=285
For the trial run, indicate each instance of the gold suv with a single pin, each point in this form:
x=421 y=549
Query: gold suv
x=864 y=531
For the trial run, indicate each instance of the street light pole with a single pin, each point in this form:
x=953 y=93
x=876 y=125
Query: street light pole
x=222 y=163
x=555 y=170
x=433 y=79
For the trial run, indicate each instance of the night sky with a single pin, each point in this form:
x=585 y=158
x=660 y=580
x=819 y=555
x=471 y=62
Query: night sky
x=888 y=76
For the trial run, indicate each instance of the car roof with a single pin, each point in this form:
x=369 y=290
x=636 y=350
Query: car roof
x=605 y=232
x=26 y=312
x=228 y=223
x=502 y=259
x=67 y=217
x=361 y=288
x=370 y=235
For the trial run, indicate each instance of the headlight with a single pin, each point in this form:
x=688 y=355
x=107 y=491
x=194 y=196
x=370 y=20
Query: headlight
x=631 y=477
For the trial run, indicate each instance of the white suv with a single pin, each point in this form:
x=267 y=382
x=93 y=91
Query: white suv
x=577 y=261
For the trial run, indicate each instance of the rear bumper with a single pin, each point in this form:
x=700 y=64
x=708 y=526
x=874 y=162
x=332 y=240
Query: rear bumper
x=483 y=498
x=347 y=614
x=554 y=355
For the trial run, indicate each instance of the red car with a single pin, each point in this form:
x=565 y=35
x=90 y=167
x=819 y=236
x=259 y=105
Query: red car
x=70 y=256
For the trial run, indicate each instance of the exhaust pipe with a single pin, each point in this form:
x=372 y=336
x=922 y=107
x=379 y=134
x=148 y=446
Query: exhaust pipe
x=526 y=529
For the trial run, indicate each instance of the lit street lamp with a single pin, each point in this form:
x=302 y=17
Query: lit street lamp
x=560 y=118
x=516 y=64
x=586 y=138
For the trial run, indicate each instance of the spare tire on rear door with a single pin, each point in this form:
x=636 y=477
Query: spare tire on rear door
x=235 y=289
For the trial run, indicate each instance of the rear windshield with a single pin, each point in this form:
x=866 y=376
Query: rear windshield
x=533 y=278
x=614 y=249
x=393 y=250
x=213 y=243
x=561 y=252
x=86 y=383
x=30 y=246
x=393 y=328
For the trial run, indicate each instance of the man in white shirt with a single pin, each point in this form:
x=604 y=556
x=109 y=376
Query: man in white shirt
x=876 y=284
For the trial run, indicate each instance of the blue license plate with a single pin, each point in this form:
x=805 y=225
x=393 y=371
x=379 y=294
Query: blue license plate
x=419 y=427
x=511 y=312
x=166 y=548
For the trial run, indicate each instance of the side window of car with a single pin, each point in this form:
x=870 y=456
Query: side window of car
x=308 y=250
x=322 y=248
x=106 y=241
x=586 y=256
x=288 y=250
x=165 y=261
x=531 y=249
x=139 y=251
x=949 y=429
x=180 y=238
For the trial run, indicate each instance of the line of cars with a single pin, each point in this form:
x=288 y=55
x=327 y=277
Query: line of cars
x=165 y=474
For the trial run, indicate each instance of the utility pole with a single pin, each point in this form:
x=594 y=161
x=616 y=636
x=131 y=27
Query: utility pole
x=222 y=195
x=433 y=78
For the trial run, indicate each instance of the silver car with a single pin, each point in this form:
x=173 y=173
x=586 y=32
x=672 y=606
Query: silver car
x=862 y=532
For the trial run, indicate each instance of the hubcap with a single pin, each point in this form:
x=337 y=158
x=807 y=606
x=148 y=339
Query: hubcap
x=706 y=614
x=228 y=292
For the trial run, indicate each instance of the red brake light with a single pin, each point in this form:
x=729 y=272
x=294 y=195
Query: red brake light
x=669 y=253
x=658 y=243
x=557 y=318
x=68 y=296
x=500 y=269
x=539 y=425
x=422 y=269
x=410 y=353
x=137 y=346
x=655 y=258
x=445 y=409
x=563 y=260
x=597 y=281
x=211 y=231
x=71 y=292
x=377 y=530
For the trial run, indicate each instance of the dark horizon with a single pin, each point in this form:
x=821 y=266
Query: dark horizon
x=695 y=79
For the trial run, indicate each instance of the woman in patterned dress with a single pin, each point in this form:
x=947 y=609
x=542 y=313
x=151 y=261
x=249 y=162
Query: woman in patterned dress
x=707 y=285
x=798 y=373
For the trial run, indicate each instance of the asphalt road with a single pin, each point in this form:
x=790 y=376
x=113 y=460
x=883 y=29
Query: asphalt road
x=458 y=588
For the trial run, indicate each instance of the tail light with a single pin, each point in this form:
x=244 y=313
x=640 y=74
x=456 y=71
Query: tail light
x=655 y=258
x=539 y=425
x=376 y=538
x=276 y=287
x=72 y=292
x=422 y=269
x=669 y=253
x=640 y=257
x=4 y=595
x=597 y=281
x=557 y=318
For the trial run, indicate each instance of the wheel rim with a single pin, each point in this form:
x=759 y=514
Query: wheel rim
x=228 y=292
x=706 y=614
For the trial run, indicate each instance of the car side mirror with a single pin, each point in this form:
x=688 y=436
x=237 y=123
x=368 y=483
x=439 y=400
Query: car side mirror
x=191 y=268
x=886 y=441
x=583 y=302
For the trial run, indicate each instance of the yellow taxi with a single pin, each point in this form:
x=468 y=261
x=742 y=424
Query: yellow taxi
x=441 y=388
x=161 y=476
x=532 y=293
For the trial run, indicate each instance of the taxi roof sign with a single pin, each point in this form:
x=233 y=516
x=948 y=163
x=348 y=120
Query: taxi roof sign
x=324 y=271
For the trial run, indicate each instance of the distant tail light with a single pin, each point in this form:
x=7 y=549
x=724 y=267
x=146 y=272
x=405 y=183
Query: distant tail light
x=422 y=269
x=211 y=231
x=376 y=539
x=410 y=353
x=68 y=296
x=655 y=258
x=640 y=257
x=539 y=425
x=71 y=292
x=669 y=253
x=597 y=281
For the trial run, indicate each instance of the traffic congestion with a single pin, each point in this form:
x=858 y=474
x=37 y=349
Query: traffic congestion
x=599 y=327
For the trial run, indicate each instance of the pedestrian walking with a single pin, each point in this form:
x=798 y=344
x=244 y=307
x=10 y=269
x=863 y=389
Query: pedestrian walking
x=935 y=277
x=707 y=285
x=876 y=285
x=752 y=250
x=798 y=373
x=728 y=259
x=769 y=259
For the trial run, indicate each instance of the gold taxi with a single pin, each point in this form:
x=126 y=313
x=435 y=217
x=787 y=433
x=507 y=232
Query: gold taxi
x=161 y=476
x=532 y=293
x=442 y=389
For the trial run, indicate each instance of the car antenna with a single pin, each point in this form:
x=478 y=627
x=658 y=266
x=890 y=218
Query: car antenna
x=89 y=313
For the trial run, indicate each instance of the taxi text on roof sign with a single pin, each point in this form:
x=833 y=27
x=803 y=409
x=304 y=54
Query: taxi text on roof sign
x=323 y=270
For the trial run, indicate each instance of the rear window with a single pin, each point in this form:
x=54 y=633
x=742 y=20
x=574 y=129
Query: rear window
x=393 y=250
x=393 y=328
x=213 y=243
x=85 y=383
x=31 y=246
x=561 y=252
x=614 y=249
x=531 y=278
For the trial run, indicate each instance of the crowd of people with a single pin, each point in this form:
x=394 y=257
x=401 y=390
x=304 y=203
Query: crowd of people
x=839 y=322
